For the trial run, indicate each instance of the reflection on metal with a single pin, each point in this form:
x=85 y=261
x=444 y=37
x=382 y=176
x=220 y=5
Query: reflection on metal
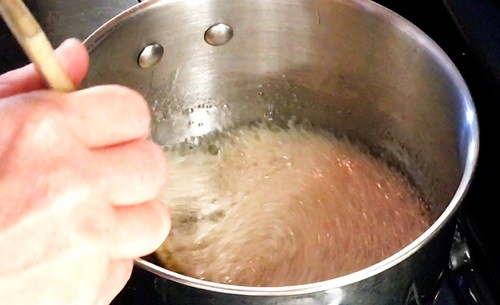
x=150 y=55
x=218 y=34
x=460 y=254
x=413 y=298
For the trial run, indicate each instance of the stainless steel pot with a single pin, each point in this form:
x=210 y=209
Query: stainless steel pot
x=347 y=65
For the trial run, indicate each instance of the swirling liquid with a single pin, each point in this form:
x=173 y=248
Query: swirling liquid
x=266 y=206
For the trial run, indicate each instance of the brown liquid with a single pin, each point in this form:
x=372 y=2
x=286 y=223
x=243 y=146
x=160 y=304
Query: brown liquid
x=283 y=207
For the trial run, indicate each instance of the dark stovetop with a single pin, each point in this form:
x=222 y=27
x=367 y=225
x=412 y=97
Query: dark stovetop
x=469 y=32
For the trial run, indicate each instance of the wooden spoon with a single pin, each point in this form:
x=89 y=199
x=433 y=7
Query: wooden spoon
x=35 y=44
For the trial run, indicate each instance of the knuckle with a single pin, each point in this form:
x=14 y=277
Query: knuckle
x=136 y=107
x=42 y=125
x=60 y=188
x=41 y=119
x=64 y=178
x=124 y=95
x=74 y=188
x=127 y=105
x=134 y=104
x=93 y=222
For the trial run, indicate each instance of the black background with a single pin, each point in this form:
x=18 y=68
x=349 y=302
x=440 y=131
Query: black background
x=469 y=32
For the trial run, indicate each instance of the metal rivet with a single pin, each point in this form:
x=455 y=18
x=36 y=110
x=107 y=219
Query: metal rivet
x=218 y=34
x=150 y=55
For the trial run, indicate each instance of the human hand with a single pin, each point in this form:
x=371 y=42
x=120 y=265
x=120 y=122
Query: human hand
x=78 y=181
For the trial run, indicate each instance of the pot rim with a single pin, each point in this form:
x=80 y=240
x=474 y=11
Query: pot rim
x=93 y=40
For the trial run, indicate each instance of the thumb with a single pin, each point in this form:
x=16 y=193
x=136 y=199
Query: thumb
x=72 y=55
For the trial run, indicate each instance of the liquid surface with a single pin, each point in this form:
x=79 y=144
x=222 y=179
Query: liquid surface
x=264 y=206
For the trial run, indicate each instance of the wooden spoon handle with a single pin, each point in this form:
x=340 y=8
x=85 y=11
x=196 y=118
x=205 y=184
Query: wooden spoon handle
x=35 y=44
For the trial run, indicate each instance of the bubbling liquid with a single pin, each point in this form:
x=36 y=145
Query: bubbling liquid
x=265 y=206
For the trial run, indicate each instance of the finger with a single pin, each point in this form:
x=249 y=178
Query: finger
x=134 y=172
x=72 y=55
x=74 y=58
x=106 y=115
x=139 y=230
x=118 y=274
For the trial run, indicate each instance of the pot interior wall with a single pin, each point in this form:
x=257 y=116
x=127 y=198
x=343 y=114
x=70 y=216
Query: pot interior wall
x=337 y=64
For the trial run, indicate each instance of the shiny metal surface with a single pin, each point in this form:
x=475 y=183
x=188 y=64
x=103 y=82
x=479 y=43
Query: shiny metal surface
x=150 y=55
x=347 y=65
x=218 y=34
